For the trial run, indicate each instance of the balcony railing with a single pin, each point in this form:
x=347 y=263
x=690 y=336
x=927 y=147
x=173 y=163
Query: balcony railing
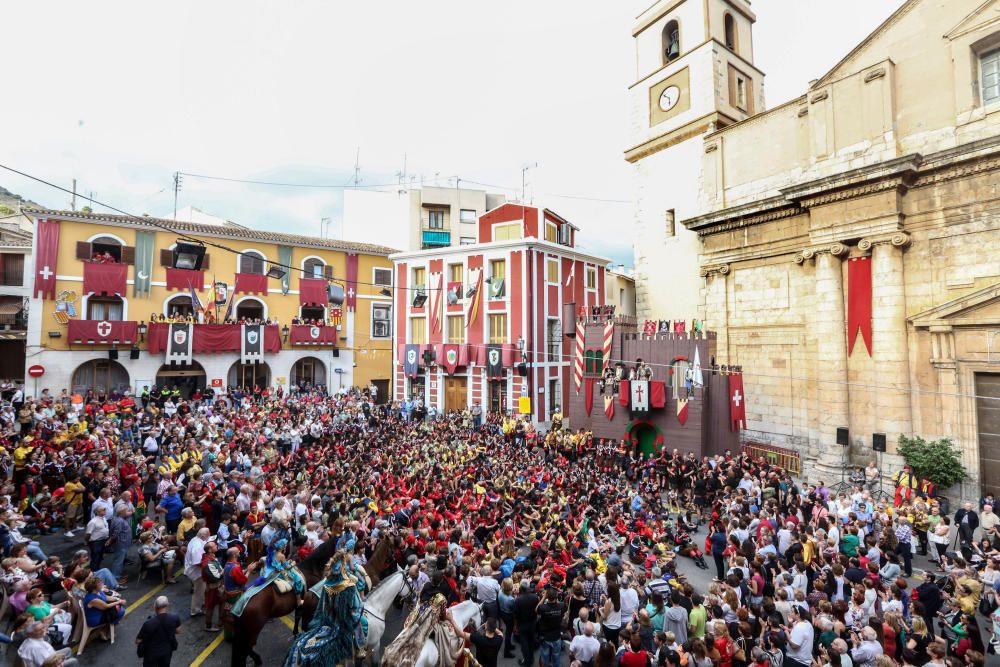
x=435 y=238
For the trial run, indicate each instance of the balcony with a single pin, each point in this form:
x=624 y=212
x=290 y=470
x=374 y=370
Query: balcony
x=304 y=334
x=212 y=338
x=435 y=238
x=102 y=332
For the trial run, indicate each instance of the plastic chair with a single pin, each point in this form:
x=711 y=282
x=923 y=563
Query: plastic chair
x=145 y=567
x=87 y=629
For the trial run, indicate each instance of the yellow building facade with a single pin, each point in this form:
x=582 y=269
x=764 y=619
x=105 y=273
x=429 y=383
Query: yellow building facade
x=98 y=326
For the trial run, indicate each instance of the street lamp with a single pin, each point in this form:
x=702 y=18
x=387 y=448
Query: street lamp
x=285 y=331
x=142 y=330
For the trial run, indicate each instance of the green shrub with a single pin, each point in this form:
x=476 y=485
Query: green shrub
x=937 y=460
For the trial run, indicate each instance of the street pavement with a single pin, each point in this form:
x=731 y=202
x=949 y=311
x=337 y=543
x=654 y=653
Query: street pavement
x=198 y=647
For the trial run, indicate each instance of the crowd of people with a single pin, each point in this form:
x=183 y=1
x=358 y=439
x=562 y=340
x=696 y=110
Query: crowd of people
x=569 y=544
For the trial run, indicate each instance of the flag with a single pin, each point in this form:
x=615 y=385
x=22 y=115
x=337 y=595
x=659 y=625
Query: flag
x=649 y=327
x=221 y=293
x=657 y=394
x=474 y=304
x=588 y=400
x=624 y=393
x=352 y=282
x=581 y=333
x=571 y=275
x=252 y=343
x=699 y=379
x=609 y=406
x=436 y=300
x=859 y=302
x=664 y=327
x=410 y=360
x=195 y=301
x=494 y=361
x=682 y=410
x=450 y=358
x=179 y=347
x=737 y=403
x=639 y=391
x=609 y=335
x=229 y=308
x=46 y=252
x=145 y=242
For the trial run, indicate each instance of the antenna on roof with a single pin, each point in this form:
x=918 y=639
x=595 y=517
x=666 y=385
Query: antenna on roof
x=177 y=186
x=357 y=167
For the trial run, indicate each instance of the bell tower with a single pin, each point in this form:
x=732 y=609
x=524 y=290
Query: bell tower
x=694 y=75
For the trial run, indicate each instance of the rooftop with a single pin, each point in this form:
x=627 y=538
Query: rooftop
x=230 y=231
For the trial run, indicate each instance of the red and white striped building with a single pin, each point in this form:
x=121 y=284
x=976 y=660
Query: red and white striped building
x=454 y=304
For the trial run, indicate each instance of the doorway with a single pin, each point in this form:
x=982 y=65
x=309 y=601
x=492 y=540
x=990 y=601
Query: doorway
x=249 y=375
x=309 y=372
x=498 y=396
x=455 y=394
x=645 y=436
x=988 y=425
x=186 y=379
x=381 y=391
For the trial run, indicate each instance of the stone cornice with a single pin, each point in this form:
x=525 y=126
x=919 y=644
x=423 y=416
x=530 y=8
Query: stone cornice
x=774 y=208
x=836 y=249
x=854 y=182
x=897 y=240
x=896 y=183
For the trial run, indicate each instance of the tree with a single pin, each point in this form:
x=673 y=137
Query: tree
x=6 y=210
x=937 y=460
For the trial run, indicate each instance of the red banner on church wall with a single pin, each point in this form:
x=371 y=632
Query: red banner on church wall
x=859 y=302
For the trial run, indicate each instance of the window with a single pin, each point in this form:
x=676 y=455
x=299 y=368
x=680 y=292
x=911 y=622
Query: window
x=508 y=231
x=418 y=330
x=740 y=90
x=313 y=268
x=309 y=313
x=555 y=396
x=381 y=320
x=467 y=215
x=110 y=308
x=383 y=277
x=671 y=42
x=250 y=309
x=621 y=299
x=552 y=270
x=455 y=272
x=668 y=224
x=420 y=277
x=435 y=219
x=741 y=93
x=593 y=362
x=11 y=269
x=989 y=65
x=591 y=277
x=553 y=337
x=252 y=262
x=498 y=328
x=551 y=232
x=456 y=329
x=730 y=32
x=467 y=240
x=498 y=269
x=179 y=306
x=108 y=245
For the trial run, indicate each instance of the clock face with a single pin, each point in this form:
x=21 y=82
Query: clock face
x=669 y=97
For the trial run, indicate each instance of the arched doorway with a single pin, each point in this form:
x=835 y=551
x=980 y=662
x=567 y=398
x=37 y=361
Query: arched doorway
x=308 y=372
x=186 y=378
x=102 y=376
x=645 y=437
x=250 y=308
x=249 y=375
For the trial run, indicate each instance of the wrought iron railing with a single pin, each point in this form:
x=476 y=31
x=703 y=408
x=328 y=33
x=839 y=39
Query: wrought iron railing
x=787 y=459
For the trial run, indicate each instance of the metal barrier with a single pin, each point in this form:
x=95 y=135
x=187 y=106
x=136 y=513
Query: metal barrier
x=787 y=459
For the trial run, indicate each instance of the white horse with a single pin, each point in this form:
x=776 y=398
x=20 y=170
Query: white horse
x=376 y=607
x=463 y=612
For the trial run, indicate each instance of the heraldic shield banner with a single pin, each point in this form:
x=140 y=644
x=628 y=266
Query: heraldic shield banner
x=410 y=358
x=494 y=361
x=179 y=343
x=252 y=344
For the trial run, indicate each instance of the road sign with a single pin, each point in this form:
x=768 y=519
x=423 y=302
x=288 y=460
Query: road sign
x=36 y=371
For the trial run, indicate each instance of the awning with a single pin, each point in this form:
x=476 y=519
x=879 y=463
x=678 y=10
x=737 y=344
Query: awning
x=10 y=308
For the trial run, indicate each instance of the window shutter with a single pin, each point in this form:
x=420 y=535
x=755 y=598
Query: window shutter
x=328 y=272
x=128 y=254
x=204 y=262
x=84 y=250
x=166 y=257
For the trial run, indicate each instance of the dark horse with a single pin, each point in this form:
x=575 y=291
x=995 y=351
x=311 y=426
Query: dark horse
x=269 y=603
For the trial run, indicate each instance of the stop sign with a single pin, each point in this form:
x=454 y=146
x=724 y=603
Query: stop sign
x=36 y=371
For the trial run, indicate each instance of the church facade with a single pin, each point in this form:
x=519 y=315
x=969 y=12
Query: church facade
x=847 y=242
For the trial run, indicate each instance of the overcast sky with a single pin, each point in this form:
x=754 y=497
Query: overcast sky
x=120 y=95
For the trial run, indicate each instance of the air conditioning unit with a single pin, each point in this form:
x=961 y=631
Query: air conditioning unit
x=497 y=288
x=380 y=329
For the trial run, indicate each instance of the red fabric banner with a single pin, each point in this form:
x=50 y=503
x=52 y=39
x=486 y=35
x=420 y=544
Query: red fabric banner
x=737 y=403
x=104 y=278
x=97 y=332
x=46 y=251
x=185 y=279
x=588 y=395
x=449 y=358
x=859 y=302
x=624 y=393
x=312 y=292
x=304 y=334
x=352 y=282
x=657 y=394
x=250 y=283
x=609 y=407
x=212 y=338
x=682 y=411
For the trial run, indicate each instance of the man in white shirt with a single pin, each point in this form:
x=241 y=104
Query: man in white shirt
x=487 y=591
x=105 y=501
x=35 y=650
x=192 y=570
x=584 y=647
x=150 y=446
x=800 y=638
x=629 y=599
x=866 y=647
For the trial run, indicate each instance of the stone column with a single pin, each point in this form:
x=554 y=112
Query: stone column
x=890 y=347
x=831 y=356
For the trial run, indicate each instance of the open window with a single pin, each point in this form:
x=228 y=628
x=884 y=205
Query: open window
x=671 y=42
x=253 y=262
x=110 y=308
x=105 y=249
x=250 y=309
x=731 y=36
x=179 y=306
x=314 y=267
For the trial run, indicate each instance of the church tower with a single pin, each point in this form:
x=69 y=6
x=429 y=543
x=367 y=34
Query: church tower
x=694 y=75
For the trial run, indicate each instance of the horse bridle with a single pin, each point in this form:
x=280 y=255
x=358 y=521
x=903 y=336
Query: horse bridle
x=410 y=594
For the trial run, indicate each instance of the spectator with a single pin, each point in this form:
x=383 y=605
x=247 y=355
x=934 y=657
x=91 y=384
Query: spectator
x=157 y=638
x=35 y=651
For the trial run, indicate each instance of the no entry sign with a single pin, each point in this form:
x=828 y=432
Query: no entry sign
x=36 y=371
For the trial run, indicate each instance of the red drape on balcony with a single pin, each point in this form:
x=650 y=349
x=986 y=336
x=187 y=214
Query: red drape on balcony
x=102 y=331
x=212 y=338
x=185 y=278
x=104 y=278
x=251 y=283
x=303 y=334
x=312 y=292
